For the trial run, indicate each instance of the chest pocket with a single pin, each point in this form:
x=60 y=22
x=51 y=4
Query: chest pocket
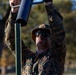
x=38 y=65
x=41 y=64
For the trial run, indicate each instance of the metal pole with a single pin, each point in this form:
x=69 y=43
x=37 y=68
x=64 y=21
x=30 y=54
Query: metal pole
x=18 y=49
x=21 y=19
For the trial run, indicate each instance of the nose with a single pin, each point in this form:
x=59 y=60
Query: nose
x=40 y=35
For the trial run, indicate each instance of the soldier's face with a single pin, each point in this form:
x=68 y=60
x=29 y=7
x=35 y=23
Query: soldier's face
x=42 y=39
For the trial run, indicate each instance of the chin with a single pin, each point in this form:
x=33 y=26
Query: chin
x=40 y=44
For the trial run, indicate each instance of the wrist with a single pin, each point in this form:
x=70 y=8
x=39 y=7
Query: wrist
x=50 y=6
x=13 y=15
x=48 y=3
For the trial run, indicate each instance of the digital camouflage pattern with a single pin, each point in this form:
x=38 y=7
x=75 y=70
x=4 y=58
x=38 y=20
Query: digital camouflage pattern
x=50 y=62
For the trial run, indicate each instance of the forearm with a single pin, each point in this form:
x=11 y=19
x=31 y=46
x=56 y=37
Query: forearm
x=9 y=32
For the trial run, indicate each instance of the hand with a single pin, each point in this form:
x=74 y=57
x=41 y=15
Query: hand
x=48 y=1
x=14 y=2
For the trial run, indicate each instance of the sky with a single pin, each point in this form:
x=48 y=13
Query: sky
x=38 y=0
x=74 y=4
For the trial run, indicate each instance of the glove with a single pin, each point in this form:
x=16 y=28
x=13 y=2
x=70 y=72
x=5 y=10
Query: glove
x=48 y=1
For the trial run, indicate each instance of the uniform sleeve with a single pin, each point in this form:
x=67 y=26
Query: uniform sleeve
x=10 y=37
x=57 y=37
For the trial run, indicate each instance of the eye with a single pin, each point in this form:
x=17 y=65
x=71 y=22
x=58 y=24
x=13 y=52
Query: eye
x=37 y=33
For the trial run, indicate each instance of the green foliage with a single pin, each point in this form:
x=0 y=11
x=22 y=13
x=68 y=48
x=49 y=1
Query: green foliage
x=63 y=5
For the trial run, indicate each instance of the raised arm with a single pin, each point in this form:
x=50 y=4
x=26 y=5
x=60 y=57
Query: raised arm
x=57 y=37
x=10 y=36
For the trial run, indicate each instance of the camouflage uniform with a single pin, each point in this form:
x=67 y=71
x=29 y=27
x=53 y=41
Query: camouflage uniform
x=50 y=62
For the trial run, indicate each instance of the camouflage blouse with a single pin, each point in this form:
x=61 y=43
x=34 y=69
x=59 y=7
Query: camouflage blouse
x=50 y=62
